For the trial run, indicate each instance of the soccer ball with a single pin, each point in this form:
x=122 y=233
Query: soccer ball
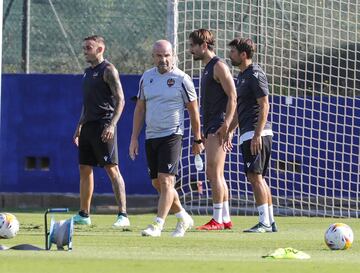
x=9 y=225
x=339 y=236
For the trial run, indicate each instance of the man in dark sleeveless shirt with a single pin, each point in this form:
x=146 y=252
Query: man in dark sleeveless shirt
x=218 y=103
x=95 y=135
x=255 y=130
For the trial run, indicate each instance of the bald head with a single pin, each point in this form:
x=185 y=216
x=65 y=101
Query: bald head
x=163 y=56
x=162 y=45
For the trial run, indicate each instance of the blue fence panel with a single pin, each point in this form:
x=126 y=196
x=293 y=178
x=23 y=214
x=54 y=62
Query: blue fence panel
x=40 y=113
x=39 y=116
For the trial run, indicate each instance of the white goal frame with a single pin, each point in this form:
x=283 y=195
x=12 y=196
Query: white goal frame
x=310 y=51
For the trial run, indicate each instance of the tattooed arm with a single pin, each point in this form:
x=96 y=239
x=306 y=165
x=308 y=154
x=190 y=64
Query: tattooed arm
x=111 y=77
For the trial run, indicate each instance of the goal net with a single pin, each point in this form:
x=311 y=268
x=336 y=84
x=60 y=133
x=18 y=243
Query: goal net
x=310 y=51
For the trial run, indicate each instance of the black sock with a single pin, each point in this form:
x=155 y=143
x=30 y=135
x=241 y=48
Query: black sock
x=83 y=214
x=122 y=214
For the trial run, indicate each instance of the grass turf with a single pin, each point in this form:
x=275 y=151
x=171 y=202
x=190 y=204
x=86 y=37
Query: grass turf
x=99 y=248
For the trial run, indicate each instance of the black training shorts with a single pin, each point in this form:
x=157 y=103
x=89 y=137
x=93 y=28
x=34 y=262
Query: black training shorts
x=163 y=154
x=257 y=163
x=94 y=152
x=210 y=130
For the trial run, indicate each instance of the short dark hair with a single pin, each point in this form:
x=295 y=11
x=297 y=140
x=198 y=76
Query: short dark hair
x=96 y=38
x=201 y=36
x=244 y=45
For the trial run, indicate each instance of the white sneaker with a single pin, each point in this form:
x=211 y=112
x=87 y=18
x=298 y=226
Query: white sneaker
x=121 y=222
x=182 y=226
x=153 y=230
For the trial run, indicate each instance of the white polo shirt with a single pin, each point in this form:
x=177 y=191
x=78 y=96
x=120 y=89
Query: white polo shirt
x=165 y=97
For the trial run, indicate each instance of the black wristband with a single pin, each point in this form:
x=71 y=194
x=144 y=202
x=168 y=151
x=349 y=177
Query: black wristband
x=198 y=141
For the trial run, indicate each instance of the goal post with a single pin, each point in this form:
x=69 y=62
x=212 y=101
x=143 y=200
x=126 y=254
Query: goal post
x=310 y=51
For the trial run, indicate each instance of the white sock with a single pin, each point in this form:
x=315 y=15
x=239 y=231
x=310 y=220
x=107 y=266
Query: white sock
x=271 y=214
x=264 y=214
x=226 y=212
x=217 y=212
x=160 y=221
x=182 y=214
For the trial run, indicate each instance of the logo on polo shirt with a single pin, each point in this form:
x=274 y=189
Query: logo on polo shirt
x=170 y=82
x=95 y=74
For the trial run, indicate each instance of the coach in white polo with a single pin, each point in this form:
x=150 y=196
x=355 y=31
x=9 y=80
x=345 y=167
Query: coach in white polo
x=164 y=92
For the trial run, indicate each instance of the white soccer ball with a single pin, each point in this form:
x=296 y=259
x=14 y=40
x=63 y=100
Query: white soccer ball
x=9 y=225
x=339 y=236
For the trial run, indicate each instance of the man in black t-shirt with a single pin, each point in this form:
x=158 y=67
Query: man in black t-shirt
x=95 y=135
x=255 y=130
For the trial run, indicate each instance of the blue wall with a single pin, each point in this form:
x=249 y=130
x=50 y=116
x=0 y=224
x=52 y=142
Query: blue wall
x=39 y=116
x=316 y=140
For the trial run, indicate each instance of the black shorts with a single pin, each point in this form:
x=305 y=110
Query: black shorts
x=94 y=152
x=213 y=125
x=212 y=128
x=257 y=163
x=163 y=155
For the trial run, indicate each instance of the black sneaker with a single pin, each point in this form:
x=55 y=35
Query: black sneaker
x=259 y=228
x=274 y=227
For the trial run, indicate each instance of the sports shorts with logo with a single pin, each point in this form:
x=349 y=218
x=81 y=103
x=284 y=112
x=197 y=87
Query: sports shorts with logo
x=214 y=125
x=92 y=150
x=257 y=163
x=163 y=154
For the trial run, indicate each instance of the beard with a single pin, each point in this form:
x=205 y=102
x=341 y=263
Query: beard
x=197 y=57
x=89 y=59
x=163 y=67
x=235 y=63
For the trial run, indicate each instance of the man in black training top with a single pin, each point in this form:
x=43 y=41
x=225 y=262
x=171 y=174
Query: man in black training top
x=95 y=135
x=255 y=130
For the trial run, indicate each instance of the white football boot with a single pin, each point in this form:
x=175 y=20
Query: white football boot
x=182 y=226
x=153 y=230
x=121 y=222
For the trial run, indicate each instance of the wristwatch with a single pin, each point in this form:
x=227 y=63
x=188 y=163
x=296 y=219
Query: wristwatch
x=198 y=141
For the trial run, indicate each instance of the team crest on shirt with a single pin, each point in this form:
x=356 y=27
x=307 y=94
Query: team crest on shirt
x=170 y=82
x=151 y=80
x=95 y=74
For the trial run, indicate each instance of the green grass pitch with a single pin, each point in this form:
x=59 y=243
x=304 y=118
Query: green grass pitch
x=100 y=248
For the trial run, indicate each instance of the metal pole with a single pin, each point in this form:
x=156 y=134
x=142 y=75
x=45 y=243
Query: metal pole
x=1 y=39
x=26 y=37
x=172 y=25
